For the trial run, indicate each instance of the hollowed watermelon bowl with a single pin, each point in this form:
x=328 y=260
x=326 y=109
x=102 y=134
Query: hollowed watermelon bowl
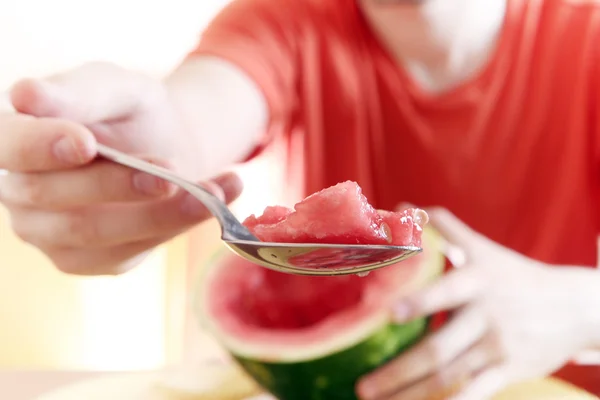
x=312 y=338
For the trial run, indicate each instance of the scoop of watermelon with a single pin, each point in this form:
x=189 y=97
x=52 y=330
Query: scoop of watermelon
x=339 y=214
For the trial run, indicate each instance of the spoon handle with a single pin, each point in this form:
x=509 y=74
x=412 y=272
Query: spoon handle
x=231 y=228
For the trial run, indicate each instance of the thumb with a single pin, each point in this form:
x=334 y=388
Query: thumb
x=230 y=186
x=458 y=234
x=227 y=187
x=91 y=93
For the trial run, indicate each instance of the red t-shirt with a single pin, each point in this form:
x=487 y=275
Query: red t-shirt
x=513 y=152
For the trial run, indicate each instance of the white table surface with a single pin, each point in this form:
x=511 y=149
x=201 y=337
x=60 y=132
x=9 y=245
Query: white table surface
x=27 y=385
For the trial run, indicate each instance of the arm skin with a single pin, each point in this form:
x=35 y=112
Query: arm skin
x=584 y=283
x=223 y=112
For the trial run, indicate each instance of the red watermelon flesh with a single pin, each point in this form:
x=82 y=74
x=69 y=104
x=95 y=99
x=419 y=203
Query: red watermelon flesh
x=272 y=215
x=406 y=226
x=339 y=214
x=273 y=301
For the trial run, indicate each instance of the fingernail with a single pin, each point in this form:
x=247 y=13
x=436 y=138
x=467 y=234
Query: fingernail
x=72 y=151
x=192 y=206
x=215 y=189
x=421 y=217
x=149 y=184
x=401 y=312
x=230 y=184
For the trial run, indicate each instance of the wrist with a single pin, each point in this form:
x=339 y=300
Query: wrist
x=583 y=286
x=5 y=103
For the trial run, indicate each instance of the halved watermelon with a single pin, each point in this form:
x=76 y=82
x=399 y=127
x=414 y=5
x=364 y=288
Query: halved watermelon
x=305 y=338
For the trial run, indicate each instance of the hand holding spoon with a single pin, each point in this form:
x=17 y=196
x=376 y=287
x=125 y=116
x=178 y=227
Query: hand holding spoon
x=294 y=258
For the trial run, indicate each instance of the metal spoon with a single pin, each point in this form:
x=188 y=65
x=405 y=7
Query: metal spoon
x=295 y=258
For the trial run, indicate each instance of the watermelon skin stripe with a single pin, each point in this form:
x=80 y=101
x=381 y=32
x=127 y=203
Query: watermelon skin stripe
x=315 y=379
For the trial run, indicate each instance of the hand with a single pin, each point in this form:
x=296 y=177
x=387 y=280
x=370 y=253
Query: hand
x=88 y=215
x=514 y=319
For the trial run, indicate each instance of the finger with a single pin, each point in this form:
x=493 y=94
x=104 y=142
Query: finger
x=227 y=187
x=455 y=376
x=104 y=226
x=484 y=386
x=455 y=289
x=430 y=355
x=114 y=261
x=455 y=231
x=454 y=254
x=99 y=182
x=213 y=188
x=40 y=144
x=231 y=185
x=110 y=225
x=78 y=95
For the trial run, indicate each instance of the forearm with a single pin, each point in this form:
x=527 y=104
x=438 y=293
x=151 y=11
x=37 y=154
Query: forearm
x=222 y=112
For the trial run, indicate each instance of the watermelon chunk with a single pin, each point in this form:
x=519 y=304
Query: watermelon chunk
x=305 y=337
x=406 y=226
x=271 y=216
x=339 y=214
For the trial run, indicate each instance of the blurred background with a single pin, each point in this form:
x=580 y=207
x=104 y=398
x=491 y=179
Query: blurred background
x=138 y=321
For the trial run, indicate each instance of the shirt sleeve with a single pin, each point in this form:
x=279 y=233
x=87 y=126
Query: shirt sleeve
x=258 y=36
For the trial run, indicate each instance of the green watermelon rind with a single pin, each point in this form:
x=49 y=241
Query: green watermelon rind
x=313 y=379
x=301 y=372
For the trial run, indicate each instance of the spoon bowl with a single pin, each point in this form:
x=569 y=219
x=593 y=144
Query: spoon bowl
x=321 y=259
x=294 y=258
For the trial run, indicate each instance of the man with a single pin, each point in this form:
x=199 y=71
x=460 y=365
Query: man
x=489 y=109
